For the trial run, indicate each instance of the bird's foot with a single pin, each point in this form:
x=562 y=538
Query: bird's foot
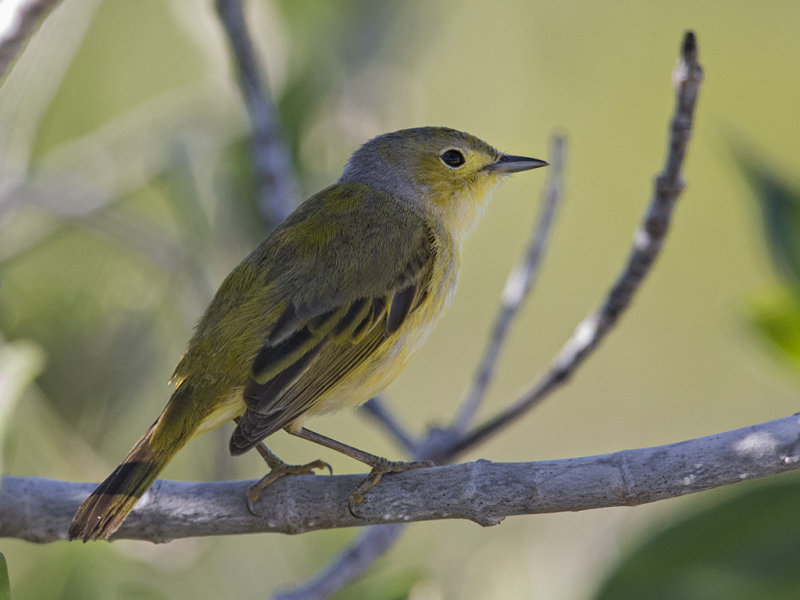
x=279 y=469
x=379 y=469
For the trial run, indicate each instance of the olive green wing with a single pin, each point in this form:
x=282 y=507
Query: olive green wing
x=315 y=344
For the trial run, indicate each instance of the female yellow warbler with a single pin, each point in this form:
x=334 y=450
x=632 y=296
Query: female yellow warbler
x=324 y=313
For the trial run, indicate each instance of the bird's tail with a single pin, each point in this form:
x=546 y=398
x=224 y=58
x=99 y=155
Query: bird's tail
x=103 y=512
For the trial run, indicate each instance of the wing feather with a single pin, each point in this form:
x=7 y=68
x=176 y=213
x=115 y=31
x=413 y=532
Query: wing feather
x=306 y=355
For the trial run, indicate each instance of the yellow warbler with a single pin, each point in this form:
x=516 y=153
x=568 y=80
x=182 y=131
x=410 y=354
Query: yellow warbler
x=324 y=313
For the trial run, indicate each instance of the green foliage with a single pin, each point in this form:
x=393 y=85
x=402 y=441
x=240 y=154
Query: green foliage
x=133 y=196
x=20 y=363
x=741 y=548
x=126 y=195
x=747 y=545
x=135 y=48
x=780 y=208
x=385 y=584
x=775 y=314
x=5 y=584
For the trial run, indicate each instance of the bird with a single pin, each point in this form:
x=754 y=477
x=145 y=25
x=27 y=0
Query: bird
x=323 y=314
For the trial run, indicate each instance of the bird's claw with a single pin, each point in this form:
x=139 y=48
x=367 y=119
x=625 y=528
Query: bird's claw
x=281 y=470
x=376 y=474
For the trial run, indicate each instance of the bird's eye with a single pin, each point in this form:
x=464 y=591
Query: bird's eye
x=453 y=158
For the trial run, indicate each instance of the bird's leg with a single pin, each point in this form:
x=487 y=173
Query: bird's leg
x=380 y=465
x=278 y=469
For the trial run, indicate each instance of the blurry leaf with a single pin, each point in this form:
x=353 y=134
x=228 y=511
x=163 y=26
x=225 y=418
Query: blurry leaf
x=776 y=316
x=780 y=209
x=5 y=584
x=328 y=56
x=235 y=184
x=131 y=52
x=382 y=585
x=741 y=548
x=20 y=363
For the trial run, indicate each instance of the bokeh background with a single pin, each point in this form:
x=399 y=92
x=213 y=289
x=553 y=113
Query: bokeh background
x=126 y=196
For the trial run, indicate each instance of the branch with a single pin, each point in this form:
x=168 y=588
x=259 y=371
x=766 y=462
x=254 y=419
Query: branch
x=348 y=566
x=21 y=25
x=444 y=445
x=376 y=409
x=518 y=286
x=360 y=555
x=275 y=181
x=39 y=510
x=646 y=247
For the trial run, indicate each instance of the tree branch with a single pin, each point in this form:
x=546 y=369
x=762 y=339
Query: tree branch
x=444 y=445
x=518 y=286
x=275 y=180
x=376 y=409
x=348 y=566
x=39 y=510
x=438 y=442
x=646 y=247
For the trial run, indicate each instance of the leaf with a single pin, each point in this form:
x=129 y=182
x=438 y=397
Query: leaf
x=20 y=363
x=780 y=210
x=775 y=314
x=5 y=584
x=740 y=548
x=387 y=585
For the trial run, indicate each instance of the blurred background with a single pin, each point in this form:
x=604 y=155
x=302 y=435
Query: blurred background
x=126 y=196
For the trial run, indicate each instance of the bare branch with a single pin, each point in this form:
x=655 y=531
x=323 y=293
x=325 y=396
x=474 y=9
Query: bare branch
x=23 y=18
x=360 y=555
x=444 y=445
x=349 y=565
x=39 y=510
x=517 y=288
x=377 y=411
x=276 y=183
x=646 y=247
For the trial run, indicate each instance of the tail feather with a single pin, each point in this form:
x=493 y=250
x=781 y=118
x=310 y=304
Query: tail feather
x=103 y=512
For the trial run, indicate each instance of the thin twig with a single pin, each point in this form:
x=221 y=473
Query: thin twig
x=40 y=510
x=646 y=247
x=647 y=244
x=438 y=441
x=275 y=179
x=517 y=289
x=348 y=566
x=376 y=409
x=26 y=18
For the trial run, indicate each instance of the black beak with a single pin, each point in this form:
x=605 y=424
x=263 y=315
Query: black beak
x=508 y=163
